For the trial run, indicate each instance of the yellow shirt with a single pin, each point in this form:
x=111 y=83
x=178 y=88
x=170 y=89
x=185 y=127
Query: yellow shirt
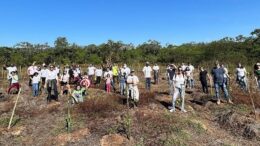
x=115 y=70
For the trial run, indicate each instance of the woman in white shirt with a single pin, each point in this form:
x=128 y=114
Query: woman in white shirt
x=51 y=84
x=179 y=89
x=64 y=81
x=241 y=77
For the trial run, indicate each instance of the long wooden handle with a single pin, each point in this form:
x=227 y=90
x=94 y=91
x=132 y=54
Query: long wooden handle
x=10 y=122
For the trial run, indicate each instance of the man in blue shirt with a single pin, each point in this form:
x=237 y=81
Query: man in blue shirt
x=218 y=79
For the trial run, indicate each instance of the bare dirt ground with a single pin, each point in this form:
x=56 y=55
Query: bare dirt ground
x=104 y=119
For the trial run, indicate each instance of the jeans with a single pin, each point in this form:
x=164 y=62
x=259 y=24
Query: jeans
x=178 y=92
x=204 y=86
x=190 y=82
x=147 y=83
x=242 y=81
x=35 y=87
x=223 y=88
x=258 y=81
x=122 y=88
x=171 y=87
x=52 y=90
x=156 y=77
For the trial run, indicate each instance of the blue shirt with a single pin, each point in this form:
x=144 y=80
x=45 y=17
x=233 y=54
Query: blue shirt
x=218 y=75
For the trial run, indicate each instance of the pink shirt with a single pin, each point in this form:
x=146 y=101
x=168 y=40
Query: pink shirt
x=108 y=81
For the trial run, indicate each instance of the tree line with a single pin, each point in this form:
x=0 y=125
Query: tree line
x=229 y=50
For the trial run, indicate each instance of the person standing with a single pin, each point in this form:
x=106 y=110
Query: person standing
x=98 y=74
x=35 y=84
x=122 y=80
x=189 y=74
x=126 y=70
x=257 y=74
x=44 y=74
x=91 y=73
x=30 y=71
x=179 y=89
x=203 y=80
x=108 y=80
x=218 y=79
x=241 y=77
x=156 y=74
x=51 y=84
x=64 y=82
x=115 y=71
x=170 y=74
x=147 y=70
x=133 y=92
x=226 y=76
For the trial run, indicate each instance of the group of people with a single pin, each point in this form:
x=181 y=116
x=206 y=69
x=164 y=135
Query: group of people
x=53 y=80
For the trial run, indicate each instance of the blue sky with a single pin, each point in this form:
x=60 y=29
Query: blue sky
x=131 y=21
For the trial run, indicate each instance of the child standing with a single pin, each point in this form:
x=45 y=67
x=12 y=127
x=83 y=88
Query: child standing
x=108 y=83
x=35 y=84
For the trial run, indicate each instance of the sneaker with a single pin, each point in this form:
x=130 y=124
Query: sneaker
x=172 y=110
x=218 y=102
x=230 y=102
x=184 y=111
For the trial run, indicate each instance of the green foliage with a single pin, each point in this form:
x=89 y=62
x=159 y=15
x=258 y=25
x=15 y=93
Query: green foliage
x=227 y=50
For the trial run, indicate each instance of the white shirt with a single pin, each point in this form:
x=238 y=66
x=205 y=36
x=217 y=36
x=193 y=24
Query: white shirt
x=241 y=72
x=183 y=67
x=75 y=73
x=14 y=79
x=226 y=72
x=44 y=73
x=156 y=68
x=132 y=81
x=127 y=71
x=191 y=67
x=36 y=79
x=57 y=70
x=147 y=71
x=91 y=70
x=10 y=69
x=32 y=69
x=99 y=72
x=65 y=78
x=178 y=80
x=108 y=72
x=51 y=75
x=78 y=70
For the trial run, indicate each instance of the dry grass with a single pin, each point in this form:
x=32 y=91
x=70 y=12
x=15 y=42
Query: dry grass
x=101 y=106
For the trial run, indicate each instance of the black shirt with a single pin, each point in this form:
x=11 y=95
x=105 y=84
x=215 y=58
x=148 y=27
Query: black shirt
x=203 y=75
x=171 y=73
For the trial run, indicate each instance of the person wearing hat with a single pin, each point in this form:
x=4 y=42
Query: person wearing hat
x=147 y=70
x=133 y=92
x=257 y=74
x=218 y=80
x=14 y=82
